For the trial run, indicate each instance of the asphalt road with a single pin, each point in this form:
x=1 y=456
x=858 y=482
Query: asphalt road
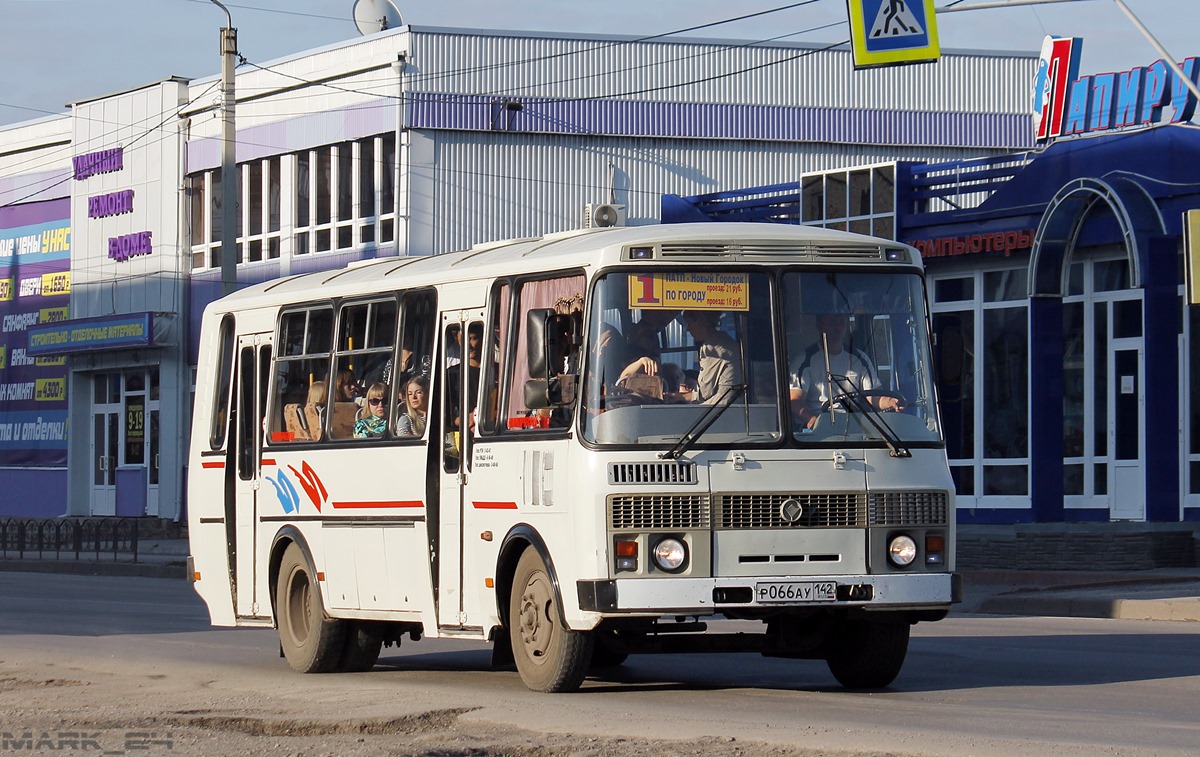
x=114 y=656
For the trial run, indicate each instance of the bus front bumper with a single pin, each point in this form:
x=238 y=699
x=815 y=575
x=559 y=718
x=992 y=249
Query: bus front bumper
x=705 y=596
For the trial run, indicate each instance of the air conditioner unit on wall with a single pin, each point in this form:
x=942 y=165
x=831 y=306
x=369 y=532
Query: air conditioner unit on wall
x=601 y=214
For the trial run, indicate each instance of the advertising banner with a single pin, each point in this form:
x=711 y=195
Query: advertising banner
x=35 y=288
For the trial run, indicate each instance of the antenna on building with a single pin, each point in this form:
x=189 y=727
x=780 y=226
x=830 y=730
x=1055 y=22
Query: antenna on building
x=372 y=16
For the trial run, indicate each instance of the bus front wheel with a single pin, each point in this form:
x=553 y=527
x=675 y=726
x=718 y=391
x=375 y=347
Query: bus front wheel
x=867 y=655
x=311 y=642
x=549 y=657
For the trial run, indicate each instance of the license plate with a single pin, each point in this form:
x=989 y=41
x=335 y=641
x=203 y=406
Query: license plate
x=795 y=591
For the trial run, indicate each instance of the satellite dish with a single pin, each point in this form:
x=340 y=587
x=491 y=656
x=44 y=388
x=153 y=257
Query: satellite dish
x=372 y=16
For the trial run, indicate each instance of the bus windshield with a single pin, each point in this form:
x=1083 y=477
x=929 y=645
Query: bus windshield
x=704 y=353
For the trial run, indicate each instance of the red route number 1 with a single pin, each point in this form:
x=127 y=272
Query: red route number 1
x=646 y=293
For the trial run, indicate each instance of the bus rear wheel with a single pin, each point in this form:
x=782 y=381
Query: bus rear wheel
x=549 y=656
x=311 y=642
x=866 y=654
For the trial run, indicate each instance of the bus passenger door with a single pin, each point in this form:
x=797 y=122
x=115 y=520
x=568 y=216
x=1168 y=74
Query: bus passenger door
x=243 y=468
x=458 y=393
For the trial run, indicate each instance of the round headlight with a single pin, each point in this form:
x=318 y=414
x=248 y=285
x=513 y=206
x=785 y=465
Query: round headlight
x=670 y=554
x=902 y=550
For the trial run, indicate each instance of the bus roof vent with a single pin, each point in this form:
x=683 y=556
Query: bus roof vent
x=658 y=472
x=841 y=254
x=739 y=250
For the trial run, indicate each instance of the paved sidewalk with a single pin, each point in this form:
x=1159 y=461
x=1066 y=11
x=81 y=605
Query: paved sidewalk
x=1161 y=594
x=157 y=558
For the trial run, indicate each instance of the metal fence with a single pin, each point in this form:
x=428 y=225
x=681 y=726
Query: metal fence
x=70 y=538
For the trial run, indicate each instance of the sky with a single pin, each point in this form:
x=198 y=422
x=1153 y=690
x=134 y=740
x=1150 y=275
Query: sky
x=58 y=51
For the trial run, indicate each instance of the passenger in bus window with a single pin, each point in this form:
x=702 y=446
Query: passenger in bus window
x=809 y=387
x=373 y=417
x=719 y=356
x=314 y=409
x=345 y=388
x=416 y=406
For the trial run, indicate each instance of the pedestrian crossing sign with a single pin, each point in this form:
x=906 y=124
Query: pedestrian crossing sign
x=890 y=32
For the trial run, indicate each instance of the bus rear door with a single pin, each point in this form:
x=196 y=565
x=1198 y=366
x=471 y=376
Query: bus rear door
x=244 y=470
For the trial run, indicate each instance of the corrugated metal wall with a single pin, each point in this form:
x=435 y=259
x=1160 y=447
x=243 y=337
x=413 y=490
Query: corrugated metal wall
x=526 y=65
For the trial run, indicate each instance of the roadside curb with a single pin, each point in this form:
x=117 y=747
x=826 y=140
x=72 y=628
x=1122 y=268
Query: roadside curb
x=1080 y=605
x=93 y=568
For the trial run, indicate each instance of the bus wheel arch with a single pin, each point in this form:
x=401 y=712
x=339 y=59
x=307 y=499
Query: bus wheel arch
x=518 y=539
x=311 y=641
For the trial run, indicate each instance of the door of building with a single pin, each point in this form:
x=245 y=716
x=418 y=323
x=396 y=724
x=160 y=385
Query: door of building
x=105 y=449
x=1126 y=430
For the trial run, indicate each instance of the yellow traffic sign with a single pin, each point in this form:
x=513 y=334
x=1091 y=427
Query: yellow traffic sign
x=890 y=32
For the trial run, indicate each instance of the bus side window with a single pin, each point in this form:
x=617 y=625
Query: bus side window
x=301 y=376
x=363 y=358
x=415 y=354
x=564 y=295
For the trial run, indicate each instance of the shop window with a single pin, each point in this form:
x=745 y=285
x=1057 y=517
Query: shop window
x=1006 y=285
x=883 y=226
x=860 y=193
x=1075 y=279
x=1110 y=275
x=257 y=222
x=1127 y=318
x=1011 y=480
x=812 y=197
x=958 y=289
x=954 y=363
x=835 y=195
x=1005 y=367
x=964 y=479
x=1073 y=479
x=1074 y=389
x=1100 y=479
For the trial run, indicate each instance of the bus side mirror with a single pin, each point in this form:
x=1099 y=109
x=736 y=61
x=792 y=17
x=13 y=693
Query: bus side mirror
x=551 y=392
x=549 y=339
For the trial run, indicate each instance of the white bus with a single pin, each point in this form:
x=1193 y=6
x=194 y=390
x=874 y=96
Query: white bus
x=580 y=447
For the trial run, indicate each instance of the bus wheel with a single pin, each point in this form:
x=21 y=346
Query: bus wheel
x=867 y=655
x=361 y=647
x=311 y=642
x=549 y=657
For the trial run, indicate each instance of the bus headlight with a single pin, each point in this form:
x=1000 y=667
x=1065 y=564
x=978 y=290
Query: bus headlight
x=670 y=555
x=902 y=550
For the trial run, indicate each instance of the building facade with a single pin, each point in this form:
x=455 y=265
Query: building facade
x=409 y=142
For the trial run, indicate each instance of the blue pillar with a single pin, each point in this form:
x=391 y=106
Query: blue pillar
x=1161 y=304
x=1046 y=409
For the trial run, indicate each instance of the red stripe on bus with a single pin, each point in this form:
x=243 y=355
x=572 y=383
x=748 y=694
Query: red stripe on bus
x=401 y=503
x=268 y=461
x=218 y=464
x=494 y=505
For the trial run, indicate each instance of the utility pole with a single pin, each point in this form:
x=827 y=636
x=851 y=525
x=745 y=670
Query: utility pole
x=229 y=177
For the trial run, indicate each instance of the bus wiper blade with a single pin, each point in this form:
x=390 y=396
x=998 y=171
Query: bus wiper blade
x=706 y=419
x=860 y=404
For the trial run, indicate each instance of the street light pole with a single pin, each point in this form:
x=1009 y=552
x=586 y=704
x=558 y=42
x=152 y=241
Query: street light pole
x=229 y=178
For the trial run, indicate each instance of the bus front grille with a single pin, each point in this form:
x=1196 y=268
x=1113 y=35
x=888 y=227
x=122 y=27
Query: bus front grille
x=816 y=510
x=658 y=511
x=907 y=508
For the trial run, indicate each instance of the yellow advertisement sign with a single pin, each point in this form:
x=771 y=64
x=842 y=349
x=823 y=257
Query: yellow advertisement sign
x=6 y=290
x=690 y=291
x=1191 y=235
x=50 y=390
x=52 y=315
x=56 y=283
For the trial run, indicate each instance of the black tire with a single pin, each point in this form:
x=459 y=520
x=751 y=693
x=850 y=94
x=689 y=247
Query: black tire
x=311 y=643
x=549 y=657
x=361 y=647
x=608 y=652
x=867 y=655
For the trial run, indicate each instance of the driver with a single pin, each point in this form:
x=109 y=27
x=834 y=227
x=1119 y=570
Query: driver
x=809 y=385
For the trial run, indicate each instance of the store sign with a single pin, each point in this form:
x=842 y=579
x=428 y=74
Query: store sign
x=994 y=243
x=1065 y=103
x=101 y=206
x=87 y=334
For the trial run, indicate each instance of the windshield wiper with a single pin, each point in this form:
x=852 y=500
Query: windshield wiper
x=706 y=419
x=859 y=403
